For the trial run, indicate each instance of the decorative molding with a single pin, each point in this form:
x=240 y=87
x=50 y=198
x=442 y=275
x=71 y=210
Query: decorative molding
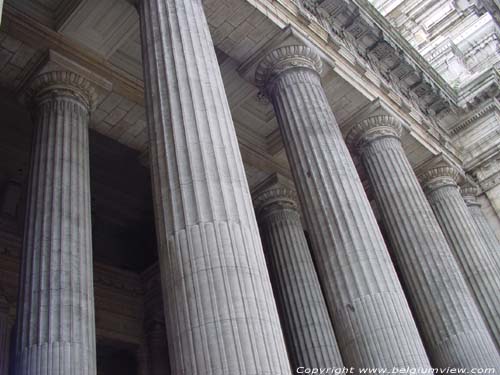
x=488 y=107
x=276 y=192
x=63 y=83
x=360 y=28
x=439 y=177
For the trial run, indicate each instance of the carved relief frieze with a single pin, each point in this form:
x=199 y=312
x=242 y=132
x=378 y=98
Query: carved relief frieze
x=488 y=174
x=384 y=56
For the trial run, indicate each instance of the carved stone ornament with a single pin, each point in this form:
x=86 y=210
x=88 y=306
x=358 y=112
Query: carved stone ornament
x=439 y=177
x=276 y=198
x=469 y=193
x=283 y=59
x=373 y=128
x=62 y=83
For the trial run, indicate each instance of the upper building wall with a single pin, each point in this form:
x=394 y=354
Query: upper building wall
x=459 y=38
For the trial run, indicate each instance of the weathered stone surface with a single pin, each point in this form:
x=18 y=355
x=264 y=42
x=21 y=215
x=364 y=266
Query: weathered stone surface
x=306 y=324
x=445 y=310
x=55 y=321
x=469 y=194
x=221 y=316
x=370 y=314
x=481 y=272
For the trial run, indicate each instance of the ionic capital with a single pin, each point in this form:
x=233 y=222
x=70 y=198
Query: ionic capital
x=275 y=198
x=469 y=193
x=283 y=59
x=62 y=83
x=373 y=128
x=439 y=177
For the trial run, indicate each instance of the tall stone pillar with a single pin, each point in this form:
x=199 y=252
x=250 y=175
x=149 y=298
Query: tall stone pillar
x=220 y=311
x=481 y=272
x=371 y=317
x=306 y=324
x=450 y=322
x=469 y=194
x=55 y=321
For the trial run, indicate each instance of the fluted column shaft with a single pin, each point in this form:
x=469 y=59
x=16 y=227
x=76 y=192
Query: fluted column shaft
x=450 y=322
x=371 y=317
x=481 y=272
x=306 y=324
x=220 y=312
x=485 y=230
x=55 y=321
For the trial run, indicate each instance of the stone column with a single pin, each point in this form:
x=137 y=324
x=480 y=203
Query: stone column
x=469 y=194
x=371 y=317
x=481 y=272
x=55 y=321
x=220 y=311
x=445 y=310
x=306 y=324
x=5 y=327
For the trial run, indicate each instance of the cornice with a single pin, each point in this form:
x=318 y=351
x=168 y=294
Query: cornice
x=361 y=27
x=480 y=88
x=489 y=106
